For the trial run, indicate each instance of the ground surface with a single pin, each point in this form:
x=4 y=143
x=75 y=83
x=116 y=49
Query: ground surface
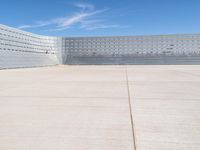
x=100 y=108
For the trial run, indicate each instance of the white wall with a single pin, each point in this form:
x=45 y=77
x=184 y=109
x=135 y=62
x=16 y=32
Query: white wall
x=23 y=49
x=158 y=49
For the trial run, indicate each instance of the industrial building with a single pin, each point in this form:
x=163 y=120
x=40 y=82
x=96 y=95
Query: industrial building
x=23 y=49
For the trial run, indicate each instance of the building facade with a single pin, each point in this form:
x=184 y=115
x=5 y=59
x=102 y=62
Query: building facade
x=23 y=49
x=162 y=49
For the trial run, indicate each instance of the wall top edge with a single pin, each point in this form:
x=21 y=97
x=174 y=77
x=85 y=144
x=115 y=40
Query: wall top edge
x=25 y=32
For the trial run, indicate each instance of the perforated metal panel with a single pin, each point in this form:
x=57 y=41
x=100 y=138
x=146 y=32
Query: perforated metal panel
x=169 y=49
x=23 y=49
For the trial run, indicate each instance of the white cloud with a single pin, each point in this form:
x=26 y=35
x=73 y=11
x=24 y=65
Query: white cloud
x=85 y=18
x=37 y=24
x=101 y=26
x=85 y=6
x=24 y=26
x=97 y=24
x=77 y=18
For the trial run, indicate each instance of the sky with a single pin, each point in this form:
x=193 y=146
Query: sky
x=102 y=17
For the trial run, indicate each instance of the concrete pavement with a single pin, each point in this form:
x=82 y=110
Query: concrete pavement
x=100 y=107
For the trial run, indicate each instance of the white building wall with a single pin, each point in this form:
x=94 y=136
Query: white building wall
x=134 y=45
x=23 y=49
x=134 y=48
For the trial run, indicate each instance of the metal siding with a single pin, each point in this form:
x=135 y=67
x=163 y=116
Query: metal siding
x=23 y=49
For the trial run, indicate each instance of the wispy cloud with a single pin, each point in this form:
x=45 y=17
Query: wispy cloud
x=80 y=17
x=85 y=6
x=97 y=24
x=25 y=26
x=100 y=27
x=85 y=18
x=37 y=24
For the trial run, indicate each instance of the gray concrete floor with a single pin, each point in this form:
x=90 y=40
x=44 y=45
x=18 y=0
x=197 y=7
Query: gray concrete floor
x=100 y=108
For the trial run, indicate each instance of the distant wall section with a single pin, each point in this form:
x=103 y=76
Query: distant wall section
x=162 y=49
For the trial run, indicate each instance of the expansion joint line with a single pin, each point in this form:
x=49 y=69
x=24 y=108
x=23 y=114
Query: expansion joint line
x=130 y=110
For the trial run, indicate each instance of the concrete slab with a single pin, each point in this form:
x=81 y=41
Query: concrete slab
x=166 y=105
x=64 y=108
x=87 y=107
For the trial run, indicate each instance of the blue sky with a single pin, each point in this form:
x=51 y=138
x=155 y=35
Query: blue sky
x=102 y=17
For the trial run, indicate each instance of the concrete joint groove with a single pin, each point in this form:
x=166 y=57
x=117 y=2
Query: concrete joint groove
x=131 y=111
